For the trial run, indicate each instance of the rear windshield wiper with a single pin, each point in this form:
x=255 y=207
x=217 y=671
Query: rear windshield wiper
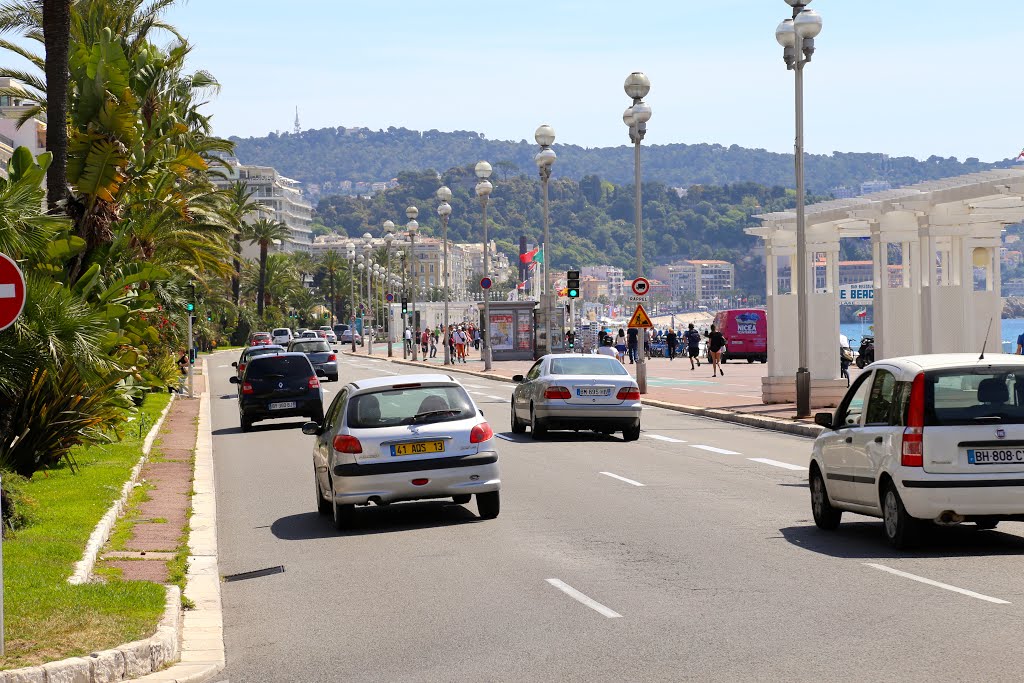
x=989 y=418
x=431 y=413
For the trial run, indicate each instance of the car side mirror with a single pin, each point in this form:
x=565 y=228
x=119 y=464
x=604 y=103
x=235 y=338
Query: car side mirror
x=518 y=378
x=234 y=379
x=311 y=429
x=823 y=419
x=235 y=364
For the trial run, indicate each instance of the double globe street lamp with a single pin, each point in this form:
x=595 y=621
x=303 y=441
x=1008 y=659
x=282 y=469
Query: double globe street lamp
x=412 y=227
x=444 y=210
x=389 y=236
x=545 y=137
x=796 y=36
x=637 y=86
x=368 y=311
x=350 y=253
x=483 y=192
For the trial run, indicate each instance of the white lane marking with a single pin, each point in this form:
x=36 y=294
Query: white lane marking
x=937 y=584
x=659 y=437
x=778 y=463
x=497 y=398
x=474 y=386
x=628 y=481
x=723 y=451
x=589 y=602
x=327 y=391
x=505 y=437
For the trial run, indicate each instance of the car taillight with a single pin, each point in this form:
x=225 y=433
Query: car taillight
x=628 y=394
x=314 y=383
x=343 y=443
x=241 y=368
x=913 y=435
x=332 y=357
x=482 y=432
x=247 y=388
x=557 y=392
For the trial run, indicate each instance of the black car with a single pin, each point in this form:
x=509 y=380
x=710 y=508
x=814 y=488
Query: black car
x=279 y=385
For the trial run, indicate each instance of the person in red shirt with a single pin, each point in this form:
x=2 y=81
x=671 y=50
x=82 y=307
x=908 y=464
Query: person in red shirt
x=425 y=341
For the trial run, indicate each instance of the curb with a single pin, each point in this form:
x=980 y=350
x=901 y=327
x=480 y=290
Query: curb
x=721 y=414
x=101 y=534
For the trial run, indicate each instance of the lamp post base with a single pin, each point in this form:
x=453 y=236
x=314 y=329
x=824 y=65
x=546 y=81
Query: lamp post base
x=803 y=393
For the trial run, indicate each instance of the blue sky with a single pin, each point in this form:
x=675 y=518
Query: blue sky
x=905 y=77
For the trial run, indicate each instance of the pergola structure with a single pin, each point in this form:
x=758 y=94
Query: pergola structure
x=935 y=250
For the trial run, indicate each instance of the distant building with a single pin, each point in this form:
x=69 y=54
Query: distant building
x=870 y=186
x=697 y=280
x=843 y=192
x=31 y=134
x=610 y=275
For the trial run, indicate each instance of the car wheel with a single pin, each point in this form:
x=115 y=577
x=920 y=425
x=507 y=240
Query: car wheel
x=517 y=426
x=343 y=515
x=900 y=528
x=488 y=505
x=825 y=516
x=860 y=362
x=750 y=360
x=332 y=378
x=631 y=433
x=987 y=523
x=538 y=430
x=246 y=425
x=461 y=499
x=322 y=506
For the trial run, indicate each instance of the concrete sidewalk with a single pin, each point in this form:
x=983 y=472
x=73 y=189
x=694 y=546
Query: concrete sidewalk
x=734 y=396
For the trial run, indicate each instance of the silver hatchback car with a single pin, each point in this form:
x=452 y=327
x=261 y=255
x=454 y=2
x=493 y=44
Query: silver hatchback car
x=570 y=391
x=411 y=437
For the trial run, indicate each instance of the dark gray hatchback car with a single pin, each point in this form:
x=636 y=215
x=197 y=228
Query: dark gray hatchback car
x=279 y=385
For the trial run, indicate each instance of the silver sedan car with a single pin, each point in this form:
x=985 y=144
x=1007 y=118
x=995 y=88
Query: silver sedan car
x=569 y=391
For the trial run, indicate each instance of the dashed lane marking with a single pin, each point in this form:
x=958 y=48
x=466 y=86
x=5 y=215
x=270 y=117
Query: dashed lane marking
x=659 y=437
x=580 y=597
x=937 y=584
x=723 y=451
x=628 y=481
x=779 y=463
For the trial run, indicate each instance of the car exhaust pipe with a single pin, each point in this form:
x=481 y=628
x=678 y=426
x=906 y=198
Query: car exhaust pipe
x=949 y=518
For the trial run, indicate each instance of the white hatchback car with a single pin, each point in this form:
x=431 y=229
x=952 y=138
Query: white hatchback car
x=411 y=437
x=924 y=438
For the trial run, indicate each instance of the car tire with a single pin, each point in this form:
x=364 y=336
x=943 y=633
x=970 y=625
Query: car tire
x=343 y=515
x=517 y=426
x=245 y=425
x=332 y=378
x=825 y=516
x=461 y=499
x=750 y=360
x=987 y=524
x=631 y=433
x=488 y=505
x=900 y=528
x=322 y=506
x=538 y=430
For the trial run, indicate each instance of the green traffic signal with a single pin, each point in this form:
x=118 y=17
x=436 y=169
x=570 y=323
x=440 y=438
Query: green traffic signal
x=190 y=307
x=574 y=293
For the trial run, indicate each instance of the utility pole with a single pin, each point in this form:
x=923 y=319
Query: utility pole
x=191 y=343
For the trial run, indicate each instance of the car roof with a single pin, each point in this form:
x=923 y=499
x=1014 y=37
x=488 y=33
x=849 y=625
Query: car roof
x=376 y=383
x=280 y=354
x=263 y=346
x=942 y=361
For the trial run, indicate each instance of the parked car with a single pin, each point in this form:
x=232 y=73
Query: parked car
x=746 y=334
x=258 y=338
x=922 y=439
x=309 y=334
x=569 y=391
x=346 y=337
x=279 y=385
x=281 y=335
x=250 y=353
x=320 y=354
x=393 y=439
x=332 y=337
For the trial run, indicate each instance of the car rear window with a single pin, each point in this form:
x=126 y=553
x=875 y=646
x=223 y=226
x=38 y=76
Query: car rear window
x=281 y=332
x=587 y=366
x=311 y=346
x=412 y=405
x=261 y=351
x=289 y=367
x=984 y=395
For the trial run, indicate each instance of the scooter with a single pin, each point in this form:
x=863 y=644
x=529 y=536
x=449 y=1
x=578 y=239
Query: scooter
x=866 y=352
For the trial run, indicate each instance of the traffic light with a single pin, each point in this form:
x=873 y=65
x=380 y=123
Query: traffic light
x=572 y=283
x=209 y=317
x=190 y=307
x=405 y=305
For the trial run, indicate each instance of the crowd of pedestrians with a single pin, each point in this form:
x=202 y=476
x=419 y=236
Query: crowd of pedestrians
x=460 y=338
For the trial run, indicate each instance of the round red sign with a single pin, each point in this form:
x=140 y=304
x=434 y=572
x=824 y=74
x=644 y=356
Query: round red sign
x=641 y=285
x=12 y=291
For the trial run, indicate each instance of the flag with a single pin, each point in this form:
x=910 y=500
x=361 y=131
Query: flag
x=1020 y=156
x=528 y=256
x=564 y=291
x=538 y=256
x=521 y=285
x=862 y=313
x=531 y=266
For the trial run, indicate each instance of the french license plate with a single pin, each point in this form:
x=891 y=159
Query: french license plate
x=282 y=405
x=995 y=456
x=593 y=391
x=417 y=448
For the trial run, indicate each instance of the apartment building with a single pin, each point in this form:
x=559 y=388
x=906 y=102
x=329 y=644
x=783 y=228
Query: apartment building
x=697 y=280
x=31 y=134
x=611 y=276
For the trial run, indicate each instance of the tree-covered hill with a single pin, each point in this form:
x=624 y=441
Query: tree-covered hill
x=591 y=220
x=336 y=154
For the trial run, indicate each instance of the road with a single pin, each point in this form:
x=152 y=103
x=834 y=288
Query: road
x=690 y=554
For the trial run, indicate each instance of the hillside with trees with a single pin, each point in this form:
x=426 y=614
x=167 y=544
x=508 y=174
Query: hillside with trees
x=332 y=155
x=591 y=220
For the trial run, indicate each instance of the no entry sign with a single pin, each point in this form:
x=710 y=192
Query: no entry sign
x=12 y=291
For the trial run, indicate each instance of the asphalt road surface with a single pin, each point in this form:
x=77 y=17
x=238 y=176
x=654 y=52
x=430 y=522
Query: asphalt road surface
x=688 y=555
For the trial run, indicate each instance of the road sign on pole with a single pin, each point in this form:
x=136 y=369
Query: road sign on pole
x=640 y=318
x=641 y=286
x=485 y=283
x=12 y=291
x=389 y=297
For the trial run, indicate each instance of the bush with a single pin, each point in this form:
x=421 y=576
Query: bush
x=16 y=506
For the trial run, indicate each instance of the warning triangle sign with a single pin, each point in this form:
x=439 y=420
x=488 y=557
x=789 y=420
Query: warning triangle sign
x=640 y=318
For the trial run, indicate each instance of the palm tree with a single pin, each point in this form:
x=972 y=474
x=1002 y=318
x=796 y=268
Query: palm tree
x=264 y=232
x=240 y=206
x=332 y=263
x=57 y=38
x=305 y=263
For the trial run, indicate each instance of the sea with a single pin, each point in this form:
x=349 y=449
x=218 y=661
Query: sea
x=1008 y=332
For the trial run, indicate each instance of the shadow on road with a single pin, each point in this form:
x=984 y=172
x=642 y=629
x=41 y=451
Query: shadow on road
x=866 y=540
x=375 y=520
x=562 y=437
x=269 y=427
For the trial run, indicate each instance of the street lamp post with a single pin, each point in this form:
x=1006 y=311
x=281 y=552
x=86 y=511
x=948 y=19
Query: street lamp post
x=483 y=191
x=444 y=210
x=368 y=329
x=796 y=36
x=637 y=86
x=389 y=236
x=350 y=252
x=412 y=227
x=545 y=137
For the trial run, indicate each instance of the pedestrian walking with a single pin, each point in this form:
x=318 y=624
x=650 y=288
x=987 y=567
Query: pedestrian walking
x=671 y=340
x=632 y=343
x=450 y=336
x=408 y=340
x=460 y=345
x=716 y=342
x=476 y=339
x=433 y=344
x=620 y=345
x=693 y=345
